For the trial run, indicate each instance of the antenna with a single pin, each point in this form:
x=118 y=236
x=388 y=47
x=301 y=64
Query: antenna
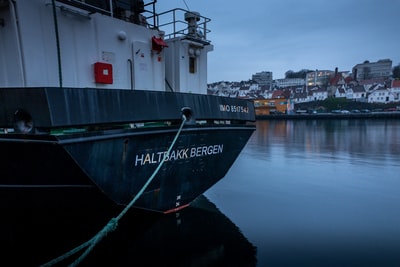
x=186 y=5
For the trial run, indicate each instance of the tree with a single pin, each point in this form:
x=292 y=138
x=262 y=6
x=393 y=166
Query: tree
x=396 y=72
x=300 y=74
x=289 y=74
x=332 y=103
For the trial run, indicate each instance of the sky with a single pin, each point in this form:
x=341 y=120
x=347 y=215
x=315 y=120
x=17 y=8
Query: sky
x=280 y=35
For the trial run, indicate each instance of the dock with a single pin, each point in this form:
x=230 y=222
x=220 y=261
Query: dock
x=336 y=116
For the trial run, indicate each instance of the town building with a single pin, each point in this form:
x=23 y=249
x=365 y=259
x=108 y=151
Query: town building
x=319 y=78
x=395 y=89
x=357 y=93
x=381 y=95
x=300 y=97
x=272 y=106
x=263 y=78
x=317 y=94
x=340 y=92
x=382 y=69
x=289 y=82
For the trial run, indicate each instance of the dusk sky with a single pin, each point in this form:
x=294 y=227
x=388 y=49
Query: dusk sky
x=280 y=35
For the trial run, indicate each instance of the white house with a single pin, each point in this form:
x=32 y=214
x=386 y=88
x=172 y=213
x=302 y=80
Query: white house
x=340 y=92
x=317 y=94
x=300 y=97
x=395 y=89
x=381 y=95
x=357 y=93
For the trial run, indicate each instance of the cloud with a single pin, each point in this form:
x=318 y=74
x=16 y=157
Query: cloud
x=279 y=35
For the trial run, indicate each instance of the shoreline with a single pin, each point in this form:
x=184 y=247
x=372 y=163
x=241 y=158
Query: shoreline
x=372 y=115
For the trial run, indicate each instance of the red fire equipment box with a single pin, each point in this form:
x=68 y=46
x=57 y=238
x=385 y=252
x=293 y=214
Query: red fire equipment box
x=158 y=44
x=103 y=73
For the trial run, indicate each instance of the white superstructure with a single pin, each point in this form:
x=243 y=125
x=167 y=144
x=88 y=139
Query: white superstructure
x=46 y=43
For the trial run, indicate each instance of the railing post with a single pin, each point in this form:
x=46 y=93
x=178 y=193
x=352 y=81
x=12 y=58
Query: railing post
x=111 y=8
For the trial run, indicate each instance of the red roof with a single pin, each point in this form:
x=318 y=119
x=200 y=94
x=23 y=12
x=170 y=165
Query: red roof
x=335 y=79
x=277 y=94
x=348 y=79
x=396 y=84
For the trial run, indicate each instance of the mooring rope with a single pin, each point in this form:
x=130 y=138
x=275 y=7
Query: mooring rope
x=113 y=223
x=60 y=79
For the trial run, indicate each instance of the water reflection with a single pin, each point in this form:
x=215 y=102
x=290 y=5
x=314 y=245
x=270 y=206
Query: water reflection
x=197 y=236
x=318 y=193
x=376 y=139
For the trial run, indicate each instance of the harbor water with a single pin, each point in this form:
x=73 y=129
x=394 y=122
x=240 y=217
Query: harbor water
x=302 y=193
x=318 y=192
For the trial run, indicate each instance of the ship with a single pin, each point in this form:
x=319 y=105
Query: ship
x=97 y=96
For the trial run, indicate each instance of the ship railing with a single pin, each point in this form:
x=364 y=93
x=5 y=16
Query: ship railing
x=103 y=7
x=121 y=9
x=171 y=22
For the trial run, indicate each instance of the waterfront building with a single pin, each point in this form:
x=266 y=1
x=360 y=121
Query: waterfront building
x=272 y=106
x=317 y=94
x=381 y=95
x=395 y=89
x=357 y=93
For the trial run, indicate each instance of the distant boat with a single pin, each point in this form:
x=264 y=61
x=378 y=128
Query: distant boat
x=92 y=95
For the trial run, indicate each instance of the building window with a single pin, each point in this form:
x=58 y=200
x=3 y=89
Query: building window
x=192 y=64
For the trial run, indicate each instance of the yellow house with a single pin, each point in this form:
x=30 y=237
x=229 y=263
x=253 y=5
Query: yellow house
x=271 y=106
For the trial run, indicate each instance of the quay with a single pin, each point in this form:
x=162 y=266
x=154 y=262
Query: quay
x=321 y=116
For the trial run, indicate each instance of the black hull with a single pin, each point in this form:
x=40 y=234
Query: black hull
x=91 y=146
x=65 y=107
x=118 y=165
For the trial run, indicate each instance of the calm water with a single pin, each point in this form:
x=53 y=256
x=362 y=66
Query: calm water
x=302 y=193
x=318 y=193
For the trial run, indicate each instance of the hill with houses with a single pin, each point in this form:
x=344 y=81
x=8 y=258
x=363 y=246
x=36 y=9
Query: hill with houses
x=317 y=86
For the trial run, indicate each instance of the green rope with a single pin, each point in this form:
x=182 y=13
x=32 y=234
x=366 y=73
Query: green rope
x=113 y=223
